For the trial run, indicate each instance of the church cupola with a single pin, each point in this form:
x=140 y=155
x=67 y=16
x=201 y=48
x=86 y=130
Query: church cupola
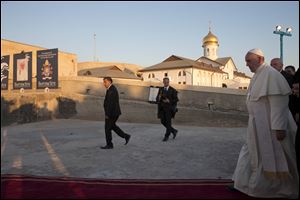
x=210 y=46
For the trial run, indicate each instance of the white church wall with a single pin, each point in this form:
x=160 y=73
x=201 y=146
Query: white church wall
x=173 y=75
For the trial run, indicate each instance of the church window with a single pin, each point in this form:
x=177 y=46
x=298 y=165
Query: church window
x=153 y=75
x=179 y=82
x=184 y=73
x=179 y=74
x=166 y=74
x=149 y=76
x=184 y=82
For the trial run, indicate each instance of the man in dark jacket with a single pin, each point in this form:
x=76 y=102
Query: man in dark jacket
x=167 y=107
x=278 y=65
x=112 y=113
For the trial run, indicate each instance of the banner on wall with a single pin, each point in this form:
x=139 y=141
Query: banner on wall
x=47 y=69
x=22 y=71
x=4 y=72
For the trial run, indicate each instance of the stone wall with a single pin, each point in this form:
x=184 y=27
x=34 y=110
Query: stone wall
x=221 y=99
x=87 y=94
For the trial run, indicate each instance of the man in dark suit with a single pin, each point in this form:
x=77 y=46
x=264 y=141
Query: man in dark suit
x=278 y=65
x=167 y=107
x=112 y=113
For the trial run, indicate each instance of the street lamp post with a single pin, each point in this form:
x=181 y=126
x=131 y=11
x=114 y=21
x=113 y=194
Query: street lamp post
x=282 y=33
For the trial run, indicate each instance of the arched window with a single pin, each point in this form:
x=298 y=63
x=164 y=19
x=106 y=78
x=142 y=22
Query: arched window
x=184 y=73
x=179 y=74
x=149 y=76
x=153 y=75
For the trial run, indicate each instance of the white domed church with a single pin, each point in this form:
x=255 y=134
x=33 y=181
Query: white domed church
x=208 y=70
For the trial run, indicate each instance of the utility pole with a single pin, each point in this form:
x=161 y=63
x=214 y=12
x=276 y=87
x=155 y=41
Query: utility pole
x=95 y=47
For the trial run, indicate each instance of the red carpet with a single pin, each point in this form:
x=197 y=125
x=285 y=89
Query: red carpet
x=33 y=187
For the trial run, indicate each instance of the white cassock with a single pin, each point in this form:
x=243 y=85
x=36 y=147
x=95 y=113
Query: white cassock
x=267 y=167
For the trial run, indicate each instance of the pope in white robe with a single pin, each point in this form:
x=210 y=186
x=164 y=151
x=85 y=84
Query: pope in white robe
x=266 y=165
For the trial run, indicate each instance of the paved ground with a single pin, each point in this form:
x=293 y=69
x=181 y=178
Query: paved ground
x=71 y=148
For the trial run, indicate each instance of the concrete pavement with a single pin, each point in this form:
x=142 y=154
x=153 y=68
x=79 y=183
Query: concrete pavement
x=70 y=147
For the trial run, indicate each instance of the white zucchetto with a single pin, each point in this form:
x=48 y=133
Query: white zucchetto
x=257 y=52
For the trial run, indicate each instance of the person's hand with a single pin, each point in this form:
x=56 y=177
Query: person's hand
x=166 y=100
x=280 y=135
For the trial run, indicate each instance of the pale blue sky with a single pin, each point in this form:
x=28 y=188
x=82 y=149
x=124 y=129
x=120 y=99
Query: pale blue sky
x=145 y=33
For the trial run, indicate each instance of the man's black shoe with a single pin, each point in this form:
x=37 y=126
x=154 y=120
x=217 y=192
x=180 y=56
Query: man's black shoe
x=165 y=139
x=127 y=139
x=107 y=147
x=175 y=134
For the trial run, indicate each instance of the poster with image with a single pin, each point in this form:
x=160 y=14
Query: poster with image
x=47 y=69
x=4 y=72
x=22 y=71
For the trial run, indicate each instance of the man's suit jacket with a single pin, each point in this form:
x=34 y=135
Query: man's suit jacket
x=170 y=107
x=292 y=99
x=289 y=78
x=111 y=103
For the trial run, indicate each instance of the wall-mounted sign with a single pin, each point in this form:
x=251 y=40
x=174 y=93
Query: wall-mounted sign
x=22 y=71
x=47 y=69
x=4 y=72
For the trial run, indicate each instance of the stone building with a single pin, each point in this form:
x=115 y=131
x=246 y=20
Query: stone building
x=114 y=70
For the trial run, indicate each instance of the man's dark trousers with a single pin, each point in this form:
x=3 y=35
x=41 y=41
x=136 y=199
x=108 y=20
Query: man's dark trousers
x=110 y=124
x=166 y=120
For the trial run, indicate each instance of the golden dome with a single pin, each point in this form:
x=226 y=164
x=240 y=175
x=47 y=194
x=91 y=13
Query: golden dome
x=210 y=39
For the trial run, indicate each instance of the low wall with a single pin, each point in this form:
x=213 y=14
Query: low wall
x=86 y=95
x=223 y=99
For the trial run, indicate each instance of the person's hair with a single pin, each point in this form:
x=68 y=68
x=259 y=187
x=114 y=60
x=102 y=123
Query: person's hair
x=108 y=78
x=291 y=67
x=166 y=78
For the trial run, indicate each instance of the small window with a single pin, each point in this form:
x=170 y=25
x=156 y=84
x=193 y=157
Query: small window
x=166 y=74
x=149 y=76
x=153 y=75
x=224 y=85
x=179 y=74
x=184 y=82
x=179 y=82
x=245 y=88
x=184 y=74
x=240 y=88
